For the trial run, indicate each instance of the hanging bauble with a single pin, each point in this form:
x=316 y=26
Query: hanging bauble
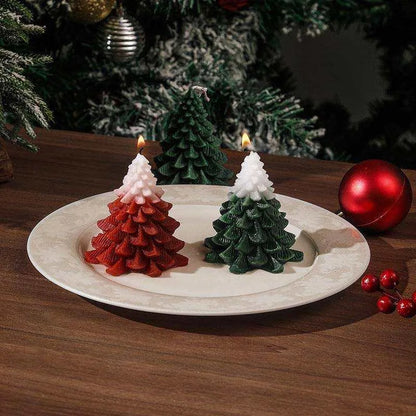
x=232 y=5
x=121 y=37
x=375 y=195
x=90 y=11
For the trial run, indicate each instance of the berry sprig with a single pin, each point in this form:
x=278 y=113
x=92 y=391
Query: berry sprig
x=389 y=302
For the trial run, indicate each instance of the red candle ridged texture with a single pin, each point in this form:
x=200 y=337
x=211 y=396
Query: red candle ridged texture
x=137 y=236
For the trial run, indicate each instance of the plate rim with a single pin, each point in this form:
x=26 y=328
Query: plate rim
x=173 y=311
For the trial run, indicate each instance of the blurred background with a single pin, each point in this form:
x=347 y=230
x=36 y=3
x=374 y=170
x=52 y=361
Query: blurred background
x=325 y=79
x=340 y=66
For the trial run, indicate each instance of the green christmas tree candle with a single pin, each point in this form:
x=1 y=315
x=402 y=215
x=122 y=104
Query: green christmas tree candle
x=191 y=152
x=251 y=230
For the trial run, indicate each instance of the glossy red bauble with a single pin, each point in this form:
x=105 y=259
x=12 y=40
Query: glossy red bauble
x=385 y=304
x=232 y=5
x=389 y=279
x=375 y=195
x=406 y=308
x=370 y=283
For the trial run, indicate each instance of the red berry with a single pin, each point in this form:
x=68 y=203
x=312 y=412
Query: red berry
x=406 y=308
x=389 y=279
x=414 y=297
x=385 y=304
x=370 y=283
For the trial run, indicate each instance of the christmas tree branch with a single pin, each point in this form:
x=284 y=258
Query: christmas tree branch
x=19 y=103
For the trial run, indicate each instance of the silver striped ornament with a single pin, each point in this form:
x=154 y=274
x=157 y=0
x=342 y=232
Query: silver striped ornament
x=121 y=37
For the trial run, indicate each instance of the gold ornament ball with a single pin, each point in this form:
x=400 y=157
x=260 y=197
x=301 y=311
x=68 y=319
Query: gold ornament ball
x=90 y=11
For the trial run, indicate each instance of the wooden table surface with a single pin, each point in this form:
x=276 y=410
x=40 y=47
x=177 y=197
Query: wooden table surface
x=61 y=354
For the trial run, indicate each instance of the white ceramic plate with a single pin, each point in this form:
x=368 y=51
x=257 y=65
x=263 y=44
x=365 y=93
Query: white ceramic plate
x=335 y=256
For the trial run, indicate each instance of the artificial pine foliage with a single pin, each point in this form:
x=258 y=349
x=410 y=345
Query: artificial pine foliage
x=191 y=152
x=237 y=56
x=188 y=42
x=19 y=103
x=251 y=235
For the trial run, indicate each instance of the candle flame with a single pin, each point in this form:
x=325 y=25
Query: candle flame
x=140 y=143
x=245 y=140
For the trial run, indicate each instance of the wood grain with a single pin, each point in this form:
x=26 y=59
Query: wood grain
x=61 y=354
x=6 y=168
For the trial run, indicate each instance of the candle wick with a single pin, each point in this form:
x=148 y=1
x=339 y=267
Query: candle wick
x=201 y=91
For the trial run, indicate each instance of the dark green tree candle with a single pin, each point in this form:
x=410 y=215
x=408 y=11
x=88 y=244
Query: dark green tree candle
x=251 y=230
x=191 y=152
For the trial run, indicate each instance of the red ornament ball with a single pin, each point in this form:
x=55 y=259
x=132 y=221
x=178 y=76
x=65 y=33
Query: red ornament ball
x=370 y=283
x=385 y=304
x=375 y=195
x=389 y=279
x=233 y=5
x=406 y=308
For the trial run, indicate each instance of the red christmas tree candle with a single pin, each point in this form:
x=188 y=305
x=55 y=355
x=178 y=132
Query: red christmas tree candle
x=137 y=236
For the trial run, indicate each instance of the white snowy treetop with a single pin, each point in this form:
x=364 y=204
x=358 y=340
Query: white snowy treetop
x=139 y=183
x=253 y=180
